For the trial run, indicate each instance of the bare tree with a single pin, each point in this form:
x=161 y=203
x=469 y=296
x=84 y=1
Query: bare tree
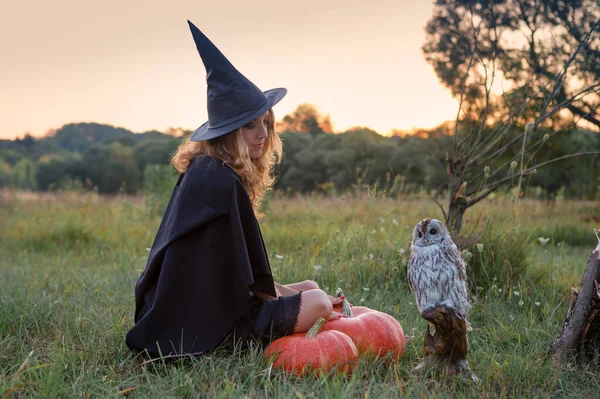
x=513 y=97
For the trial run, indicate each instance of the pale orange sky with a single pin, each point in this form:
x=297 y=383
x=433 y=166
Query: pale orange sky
x=133 y=63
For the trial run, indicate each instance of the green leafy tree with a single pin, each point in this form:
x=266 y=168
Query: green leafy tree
x=155 y=150
x=10 y=155
x=24 y=175
x=111 y=168
x=5 y=174
x=306 y=119
x=55 y=169
x=76 y=137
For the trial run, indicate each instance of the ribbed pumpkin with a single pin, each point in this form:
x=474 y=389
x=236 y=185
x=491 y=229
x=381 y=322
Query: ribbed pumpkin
x=375 y=333
x=318 y=351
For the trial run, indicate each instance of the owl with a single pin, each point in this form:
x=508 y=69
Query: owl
x=436 y=270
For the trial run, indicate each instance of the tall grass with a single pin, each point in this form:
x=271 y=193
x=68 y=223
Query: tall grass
x=68 y=265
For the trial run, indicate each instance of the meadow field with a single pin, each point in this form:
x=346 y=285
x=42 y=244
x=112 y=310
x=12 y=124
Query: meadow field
x=69 y=263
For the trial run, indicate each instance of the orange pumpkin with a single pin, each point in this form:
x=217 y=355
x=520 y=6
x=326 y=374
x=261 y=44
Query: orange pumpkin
x=301 y=353
x=375 y=333
x=358 y=310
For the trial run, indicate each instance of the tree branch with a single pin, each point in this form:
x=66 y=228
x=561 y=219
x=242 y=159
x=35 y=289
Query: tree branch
x=529 y=170
x=441 y=207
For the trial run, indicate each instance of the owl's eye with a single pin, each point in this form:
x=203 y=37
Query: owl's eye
x=420 y=234
x=432 y=231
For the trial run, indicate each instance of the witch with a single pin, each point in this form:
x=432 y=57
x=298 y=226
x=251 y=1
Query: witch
x=207 y=282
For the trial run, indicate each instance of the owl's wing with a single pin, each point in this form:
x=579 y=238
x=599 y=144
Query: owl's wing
x=409 y=272
x=457 y=260
x=462 y=270
x=460 y=265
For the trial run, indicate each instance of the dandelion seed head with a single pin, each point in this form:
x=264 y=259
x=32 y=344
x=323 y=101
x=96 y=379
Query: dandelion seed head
x=466 y=255
x=543 y=240
x=529 y=127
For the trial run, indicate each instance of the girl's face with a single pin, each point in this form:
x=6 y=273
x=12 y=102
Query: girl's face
x=255 y=133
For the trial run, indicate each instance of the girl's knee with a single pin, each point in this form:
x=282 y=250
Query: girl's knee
x=323 y=306
x=315 y=303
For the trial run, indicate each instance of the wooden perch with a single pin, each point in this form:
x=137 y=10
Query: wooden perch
x=579 y=339
x=448 y=346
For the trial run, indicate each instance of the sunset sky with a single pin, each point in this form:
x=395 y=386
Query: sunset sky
x=133 y=63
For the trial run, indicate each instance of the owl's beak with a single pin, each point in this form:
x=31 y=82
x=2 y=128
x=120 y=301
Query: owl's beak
x=425 y=241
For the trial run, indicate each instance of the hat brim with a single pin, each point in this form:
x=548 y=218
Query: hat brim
x=205 y=132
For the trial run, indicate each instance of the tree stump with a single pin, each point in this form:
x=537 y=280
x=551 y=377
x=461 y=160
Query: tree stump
x=579 y=340
x=447 y=347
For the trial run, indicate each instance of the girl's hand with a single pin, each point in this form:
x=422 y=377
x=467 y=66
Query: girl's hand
x=337 y=315
x=336 y=301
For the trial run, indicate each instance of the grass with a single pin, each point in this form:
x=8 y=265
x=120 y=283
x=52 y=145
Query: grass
x=68 y=265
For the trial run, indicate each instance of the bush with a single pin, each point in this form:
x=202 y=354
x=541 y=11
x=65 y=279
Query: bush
x=159 y=181
x=495 y=255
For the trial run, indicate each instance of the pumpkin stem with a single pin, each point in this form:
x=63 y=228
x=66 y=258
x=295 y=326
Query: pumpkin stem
x=314 y=330
x=346 y=308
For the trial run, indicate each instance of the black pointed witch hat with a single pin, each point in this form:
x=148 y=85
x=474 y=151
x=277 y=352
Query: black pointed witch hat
x=232 y=99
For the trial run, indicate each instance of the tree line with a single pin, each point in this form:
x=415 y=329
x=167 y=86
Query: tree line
x=91 y=156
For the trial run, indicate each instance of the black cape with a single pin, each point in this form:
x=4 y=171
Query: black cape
x=207 y=253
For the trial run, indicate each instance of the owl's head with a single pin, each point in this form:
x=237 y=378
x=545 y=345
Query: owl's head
x=430 y=232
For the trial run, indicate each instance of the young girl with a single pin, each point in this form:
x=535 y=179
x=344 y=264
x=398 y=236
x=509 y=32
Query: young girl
x=208 y=279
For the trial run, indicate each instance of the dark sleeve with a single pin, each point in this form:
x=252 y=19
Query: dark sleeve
x=207 y=253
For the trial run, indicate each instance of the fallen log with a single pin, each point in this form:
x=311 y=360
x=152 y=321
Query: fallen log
x=579 y=340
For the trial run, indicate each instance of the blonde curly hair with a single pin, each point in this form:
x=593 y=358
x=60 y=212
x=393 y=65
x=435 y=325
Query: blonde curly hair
x=257 y=174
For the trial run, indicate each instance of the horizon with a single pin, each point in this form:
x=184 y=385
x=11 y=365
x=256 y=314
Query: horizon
x=177 y=131
x=138 y=69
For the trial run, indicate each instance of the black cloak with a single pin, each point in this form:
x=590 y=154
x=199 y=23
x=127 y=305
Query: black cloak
x=207 y=253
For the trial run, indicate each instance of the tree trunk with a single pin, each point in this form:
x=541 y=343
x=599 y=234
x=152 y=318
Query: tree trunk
x=580 y=336
x=456 y=211
x=456 y=187
x=448 y=346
